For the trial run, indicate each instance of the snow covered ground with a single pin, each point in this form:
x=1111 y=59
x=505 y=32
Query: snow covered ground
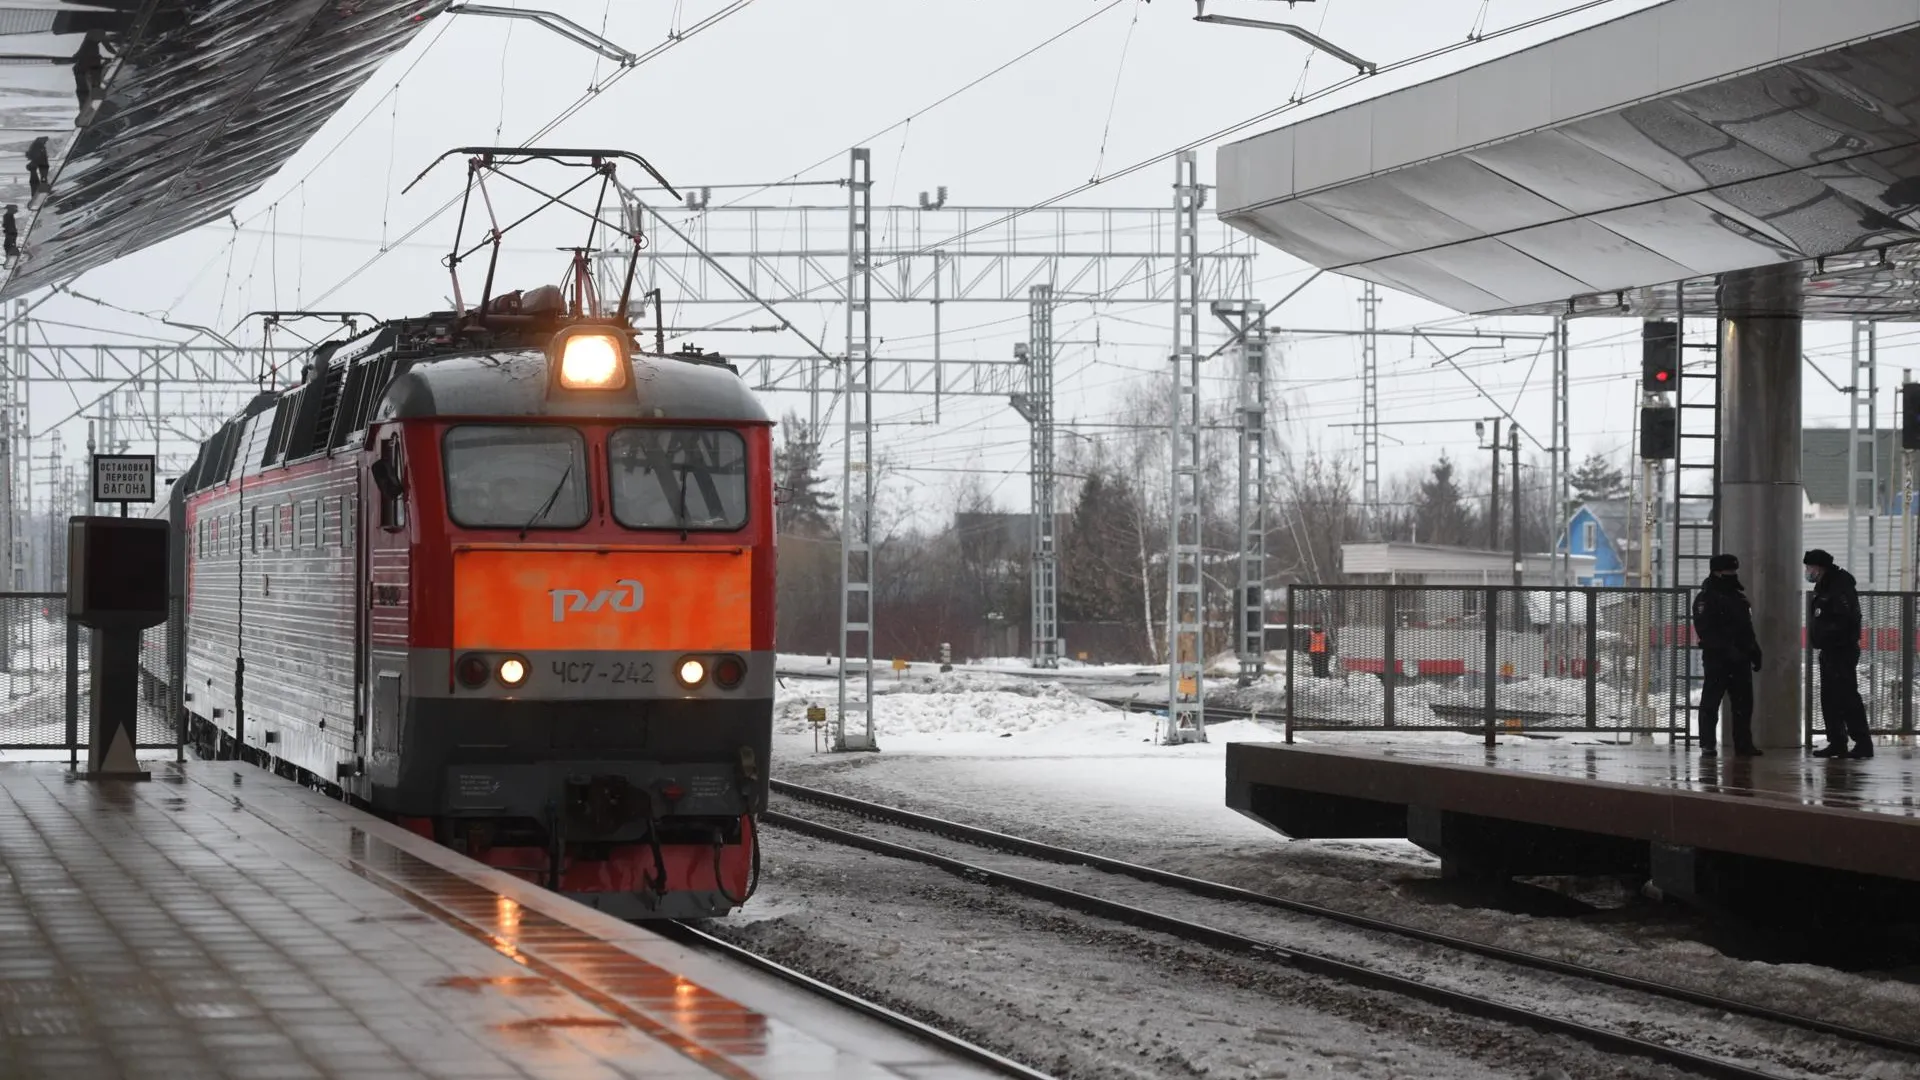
x=1034 y=758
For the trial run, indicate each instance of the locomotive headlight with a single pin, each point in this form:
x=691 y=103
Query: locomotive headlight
x=590 y=362
x=513 y=671
x=691 y=672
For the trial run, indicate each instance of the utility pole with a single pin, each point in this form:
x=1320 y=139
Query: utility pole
x=1493 y=501
x=1519 y=558
x=1513 y=463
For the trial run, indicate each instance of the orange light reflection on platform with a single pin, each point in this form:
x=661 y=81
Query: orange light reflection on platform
x=506 y=935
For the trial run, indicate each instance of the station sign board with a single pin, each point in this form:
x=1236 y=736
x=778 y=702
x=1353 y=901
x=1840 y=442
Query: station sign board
x=123 y=478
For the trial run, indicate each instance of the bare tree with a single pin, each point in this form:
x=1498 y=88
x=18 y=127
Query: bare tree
x=1318 y=513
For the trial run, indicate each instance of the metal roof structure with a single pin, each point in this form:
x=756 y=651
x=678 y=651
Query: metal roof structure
x=1595 y=173
x=190 y=106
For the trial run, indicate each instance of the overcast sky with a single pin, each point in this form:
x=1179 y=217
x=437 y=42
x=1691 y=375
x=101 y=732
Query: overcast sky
x=782 y=84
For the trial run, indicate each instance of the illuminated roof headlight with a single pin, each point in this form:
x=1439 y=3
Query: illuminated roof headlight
x=691 y=672
x=513 y=671
x=591 y=362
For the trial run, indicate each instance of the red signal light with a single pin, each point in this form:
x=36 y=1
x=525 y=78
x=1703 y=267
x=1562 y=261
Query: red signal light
x=728 y=672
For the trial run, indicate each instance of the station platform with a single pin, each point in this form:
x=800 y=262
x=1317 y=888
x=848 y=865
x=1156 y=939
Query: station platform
x=220 y=921
x=1698 y=828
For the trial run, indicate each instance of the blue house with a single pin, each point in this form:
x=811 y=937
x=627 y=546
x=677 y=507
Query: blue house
x=1600 y=529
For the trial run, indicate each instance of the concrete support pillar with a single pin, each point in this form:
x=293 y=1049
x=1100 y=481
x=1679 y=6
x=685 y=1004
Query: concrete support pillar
x=1760 y=493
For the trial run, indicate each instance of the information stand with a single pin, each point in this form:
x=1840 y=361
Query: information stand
x=117 y=586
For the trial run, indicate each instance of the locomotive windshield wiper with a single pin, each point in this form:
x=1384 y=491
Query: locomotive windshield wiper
x=683 y=503
x=565 y=475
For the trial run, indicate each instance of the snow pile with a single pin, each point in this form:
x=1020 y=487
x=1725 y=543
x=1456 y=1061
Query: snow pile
x=925 y=707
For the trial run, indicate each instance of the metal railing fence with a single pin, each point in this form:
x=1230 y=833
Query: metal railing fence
x=44 y=679
x=1888 y=640
x=1490 y=659
x=1507 y=659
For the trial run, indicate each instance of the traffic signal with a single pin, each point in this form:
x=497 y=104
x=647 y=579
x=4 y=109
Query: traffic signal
x=1910 y=416
x=1659 y=432
x=1659 y=355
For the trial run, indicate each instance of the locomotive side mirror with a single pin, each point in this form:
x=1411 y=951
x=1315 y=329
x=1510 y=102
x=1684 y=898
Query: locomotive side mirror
x=386 y=470
x=385 y=479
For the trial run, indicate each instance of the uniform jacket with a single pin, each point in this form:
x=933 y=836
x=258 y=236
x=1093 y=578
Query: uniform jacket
x=1723 y=620
x=1835 y=619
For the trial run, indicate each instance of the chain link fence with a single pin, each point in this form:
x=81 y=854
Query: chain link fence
x=47 y=684
x=1493 y=659
x=1886 y=669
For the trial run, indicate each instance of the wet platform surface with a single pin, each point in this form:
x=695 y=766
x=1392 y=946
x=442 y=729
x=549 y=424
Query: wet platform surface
x=220 y=922
x=1853 y=815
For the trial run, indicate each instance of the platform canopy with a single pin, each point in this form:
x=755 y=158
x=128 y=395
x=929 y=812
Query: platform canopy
x=199 y=102
x=1595 y=173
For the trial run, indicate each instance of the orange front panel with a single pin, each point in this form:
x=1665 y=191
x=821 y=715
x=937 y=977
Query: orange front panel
x=543 y=598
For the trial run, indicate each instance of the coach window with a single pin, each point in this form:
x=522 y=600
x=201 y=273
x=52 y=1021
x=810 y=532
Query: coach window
x=502 y=476
x=678 y=478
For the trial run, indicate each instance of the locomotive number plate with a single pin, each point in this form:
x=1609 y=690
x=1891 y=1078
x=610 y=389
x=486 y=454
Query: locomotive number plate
x=611 y=673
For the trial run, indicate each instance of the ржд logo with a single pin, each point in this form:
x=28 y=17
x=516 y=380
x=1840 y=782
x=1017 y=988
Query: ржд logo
x=628 y=595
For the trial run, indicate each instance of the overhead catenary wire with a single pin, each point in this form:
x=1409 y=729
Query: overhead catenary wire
x=1216 y=136
x=593 y=92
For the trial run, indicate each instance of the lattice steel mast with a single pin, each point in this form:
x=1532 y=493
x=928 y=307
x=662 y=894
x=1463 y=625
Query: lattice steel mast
x=1186 y=599
x=1037 y=406
x=856 y=476
x=1370 y=404
x=1249 y=321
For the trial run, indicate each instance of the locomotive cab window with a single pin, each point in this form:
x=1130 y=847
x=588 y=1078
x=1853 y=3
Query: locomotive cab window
x=502 y=476
x=678 y=478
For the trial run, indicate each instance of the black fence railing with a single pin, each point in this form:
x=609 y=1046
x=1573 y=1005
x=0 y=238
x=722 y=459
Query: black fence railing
x=1490 y=659
x=1506 y=658
x=44 y=677
x=1888 y=639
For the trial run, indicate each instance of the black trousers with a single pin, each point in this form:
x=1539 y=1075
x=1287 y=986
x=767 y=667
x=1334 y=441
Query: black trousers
x=1840 y=705
x=1732 y=679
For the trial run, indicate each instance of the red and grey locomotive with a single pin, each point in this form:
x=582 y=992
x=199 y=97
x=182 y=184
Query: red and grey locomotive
x=506 y=577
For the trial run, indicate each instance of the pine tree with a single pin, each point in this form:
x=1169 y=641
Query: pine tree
x=1597 y=479
x=1439 y=515
x=1099 y=552
x=806 y=506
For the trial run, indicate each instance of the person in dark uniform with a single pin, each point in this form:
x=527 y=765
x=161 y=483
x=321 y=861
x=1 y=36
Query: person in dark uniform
x=1723 y=621
x=1833 y=627
x=88 y=67
x=37 y=165
x=10 y=227
x=1317 y=650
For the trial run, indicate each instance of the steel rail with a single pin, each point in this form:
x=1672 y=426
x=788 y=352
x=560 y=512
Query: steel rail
x=691 y=935
x=1305 y=960
x=1067 y=856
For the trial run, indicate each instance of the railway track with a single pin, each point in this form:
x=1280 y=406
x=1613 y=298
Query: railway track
x=1310 y=961
x=694 y=937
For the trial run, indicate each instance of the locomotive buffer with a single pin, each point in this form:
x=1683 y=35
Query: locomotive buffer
x=117 y=586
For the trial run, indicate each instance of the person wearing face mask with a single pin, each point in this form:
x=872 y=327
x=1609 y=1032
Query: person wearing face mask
x=1834 y=629
x=1723 y=623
